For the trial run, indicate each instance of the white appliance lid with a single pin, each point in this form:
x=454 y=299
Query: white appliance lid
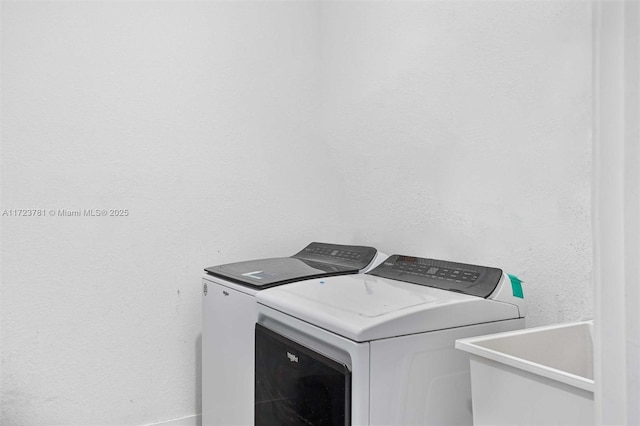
x=364 y=307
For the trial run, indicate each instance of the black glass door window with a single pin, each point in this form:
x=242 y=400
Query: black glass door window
x=297 y=386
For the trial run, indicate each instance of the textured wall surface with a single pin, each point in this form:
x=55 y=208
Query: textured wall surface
x=198 y=118
x=462 y=130
x=239 y=130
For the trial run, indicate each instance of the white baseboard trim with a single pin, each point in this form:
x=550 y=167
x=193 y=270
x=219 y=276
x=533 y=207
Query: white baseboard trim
x=195 y=420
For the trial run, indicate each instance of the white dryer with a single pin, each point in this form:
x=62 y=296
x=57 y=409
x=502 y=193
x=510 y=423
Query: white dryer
x=377 y=348
x=229 y=317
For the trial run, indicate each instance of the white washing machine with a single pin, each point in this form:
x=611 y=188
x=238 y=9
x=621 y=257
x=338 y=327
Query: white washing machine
x=377 y=348
x=229 y=317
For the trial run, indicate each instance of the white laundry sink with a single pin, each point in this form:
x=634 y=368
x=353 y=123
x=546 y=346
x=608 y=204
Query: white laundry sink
x=535 y=376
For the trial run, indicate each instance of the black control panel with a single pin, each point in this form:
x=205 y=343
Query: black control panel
x=317 y=260
x=357 y=257
x=473 y=280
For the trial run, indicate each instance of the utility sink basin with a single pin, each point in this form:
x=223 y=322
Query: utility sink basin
x=535 y=376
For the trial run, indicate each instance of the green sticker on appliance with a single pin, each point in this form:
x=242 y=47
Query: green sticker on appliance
x=516 y=286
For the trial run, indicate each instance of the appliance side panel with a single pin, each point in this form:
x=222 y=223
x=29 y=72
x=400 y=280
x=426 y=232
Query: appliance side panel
x=421 y=379
x=229 y=318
